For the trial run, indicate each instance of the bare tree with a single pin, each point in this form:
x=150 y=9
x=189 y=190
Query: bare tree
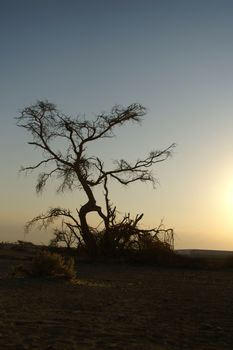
x=72 y=165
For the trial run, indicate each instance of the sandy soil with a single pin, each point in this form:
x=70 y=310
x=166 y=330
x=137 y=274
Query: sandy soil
x=118 y=307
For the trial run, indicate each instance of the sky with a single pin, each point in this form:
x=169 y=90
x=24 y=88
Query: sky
x=175 y=57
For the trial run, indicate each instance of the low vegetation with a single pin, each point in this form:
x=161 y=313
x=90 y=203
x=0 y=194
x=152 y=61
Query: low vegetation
x=61 y=262
x=47 y=264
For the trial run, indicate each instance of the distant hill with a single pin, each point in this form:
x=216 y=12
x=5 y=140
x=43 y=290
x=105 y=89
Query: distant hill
x=204 y=253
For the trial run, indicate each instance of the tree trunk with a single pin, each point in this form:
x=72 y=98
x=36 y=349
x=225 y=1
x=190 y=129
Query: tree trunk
x=90 y=206
x=88 y=237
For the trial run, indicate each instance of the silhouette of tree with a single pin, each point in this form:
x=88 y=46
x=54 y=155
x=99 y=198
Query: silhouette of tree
x=74 y=168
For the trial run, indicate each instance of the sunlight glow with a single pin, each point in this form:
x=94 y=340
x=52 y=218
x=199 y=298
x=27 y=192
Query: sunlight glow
x=229 y=197
x=228 y=203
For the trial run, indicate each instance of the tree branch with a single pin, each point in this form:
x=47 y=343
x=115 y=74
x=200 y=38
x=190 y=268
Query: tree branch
x=49 y=217
x=136 y=172
x=37 y=165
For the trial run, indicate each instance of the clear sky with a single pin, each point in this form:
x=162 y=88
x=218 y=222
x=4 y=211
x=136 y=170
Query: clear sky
x=175 y=57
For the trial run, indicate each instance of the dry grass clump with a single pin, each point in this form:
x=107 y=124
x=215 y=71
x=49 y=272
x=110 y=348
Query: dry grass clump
x=47 y=264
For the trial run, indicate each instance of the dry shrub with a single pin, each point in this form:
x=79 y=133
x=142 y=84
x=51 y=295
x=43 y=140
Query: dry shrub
x=127 y=241
x=154 y=251
x=47 y=264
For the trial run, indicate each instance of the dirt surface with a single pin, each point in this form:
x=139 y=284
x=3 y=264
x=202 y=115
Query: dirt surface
x=117 y=306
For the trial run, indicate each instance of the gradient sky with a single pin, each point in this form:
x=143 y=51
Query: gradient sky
x=174 y=57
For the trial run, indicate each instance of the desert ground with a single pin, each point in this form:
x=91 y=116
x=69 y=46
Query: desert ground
x=116 y=306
